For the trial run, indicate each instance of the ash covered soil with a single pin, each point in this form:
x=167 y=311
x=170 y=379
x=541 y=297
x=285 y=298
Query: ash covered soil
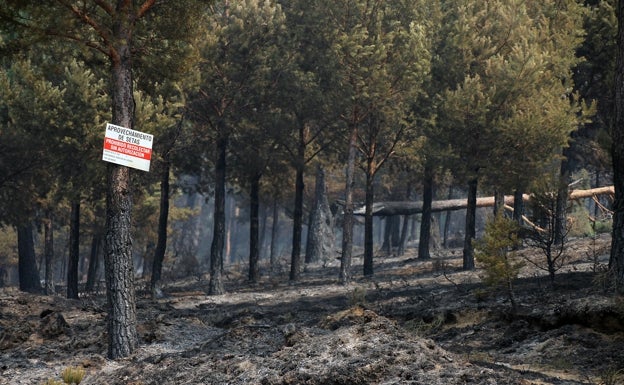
x=414 y=322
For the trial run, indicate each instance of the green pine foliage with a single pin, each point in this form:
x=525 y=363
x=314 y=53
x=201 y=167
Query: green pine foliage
x=495 y=253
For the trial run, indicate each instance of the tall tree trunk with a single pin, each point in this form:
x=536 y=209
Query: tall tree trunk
x=405 y=228
x=499 y=202
x=254 y=236
x=218 y=240
x=93 y=262
x=447 y=220
x=616 y=260
x=368 y=221
x=561 y=218
x=347 y=221
x=518 y=207
x=27 y=261
x=163 y=218
x=403 y=240
x=471 y=216
x=425 y=222
x=274 y=231
x=119 y=267
x=48 y=251
x=295 y=257
x=74 y=250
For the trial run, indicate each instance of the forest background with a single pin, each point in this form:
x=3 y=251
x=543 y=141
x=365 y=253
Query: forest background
x=265 y=112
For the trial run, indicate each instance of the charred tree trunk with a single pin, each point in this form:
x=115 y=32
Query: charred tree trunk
x=295 y=256
x=368 y=222
x=93 y=262
x=347 y=221
x=122 y=322
x=74 y=250
x=425 y=223
x=518 y=207
x=48 y=251
x=471 y=215
x=405 y=228
x=562 y=201
x=274 y=231
x=447 y=221
x=616 y=260
x=27 y=261
x=499 y=202
x=163 y=218
x=254 y=236
x=218 y=240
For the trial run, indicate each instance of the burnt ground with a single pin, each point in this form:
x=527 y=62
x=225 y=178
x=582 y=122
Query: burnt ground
x=414 y=322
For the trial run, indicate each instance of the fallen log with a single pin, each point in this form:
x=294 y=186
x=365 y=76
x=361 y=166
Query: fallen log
x=415 y=207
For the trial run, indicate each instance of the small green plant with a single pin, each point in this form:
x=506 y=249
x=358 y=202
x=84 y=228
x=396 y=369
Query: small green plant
x=73 y=375
x=495 y=252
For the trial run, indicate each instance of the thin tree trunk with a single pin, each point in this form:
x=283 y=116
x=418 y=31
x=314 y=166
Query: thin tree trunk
x=274 y=230
x=218 y=239
x=403 y=240
x=93 y=262
x=27 y=261
x=499 y=202
x=561 y=217
x=616 y=260
x=347 y=222
x=254 y=210
x=447 y=220
x=425 y=222
x=471 y=211
x=74 y=250
x=48 y=252
x=368 y=222
x=295 y=257
x=163 y=218
x=518 y=207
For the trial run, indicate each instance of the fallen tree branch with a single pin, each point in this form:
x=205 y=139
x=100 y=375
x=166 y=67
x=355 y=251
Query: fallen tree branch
x=415 y=207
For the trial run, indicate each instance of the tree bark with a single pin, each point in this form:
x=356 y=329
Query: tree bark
x=218 y=240
x=471 y=211
x=254 y=236
x=74 y=250
x=425 y=223
x=119 y=267
x=27 y=261
x=616 y=260
x=163 y=218
x=48 y=252
x=347 y=221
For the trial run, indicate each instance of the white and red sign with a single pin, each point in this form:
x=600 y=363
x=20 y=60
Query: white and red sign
x=127 y=147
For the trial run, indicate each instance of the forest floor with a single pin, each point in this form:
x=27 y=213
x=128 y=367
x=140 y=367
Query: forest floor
x=414 y=322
